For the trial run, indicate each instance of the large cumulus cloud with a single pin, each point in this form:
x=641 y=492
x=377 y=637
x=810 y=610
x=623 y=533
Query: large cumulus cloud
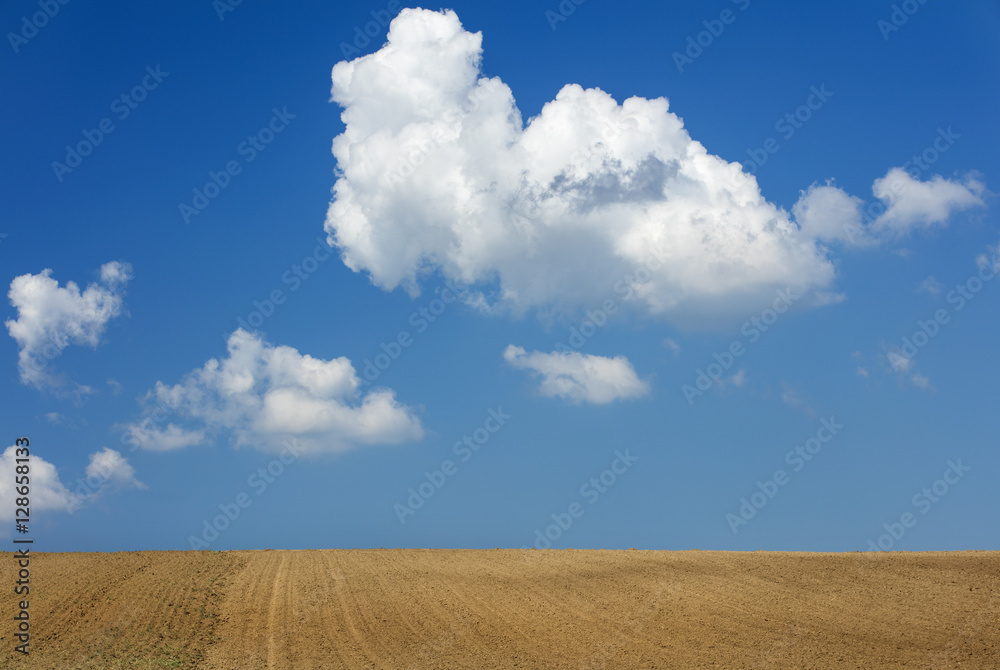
x=437 y=172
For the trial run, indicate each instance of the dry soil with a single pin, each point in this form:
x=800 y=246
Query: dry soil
x=506 y=609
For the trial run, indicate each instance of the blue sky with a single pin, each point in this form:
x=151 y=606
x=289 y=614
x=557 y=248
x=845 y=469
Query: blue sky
x=605 y=280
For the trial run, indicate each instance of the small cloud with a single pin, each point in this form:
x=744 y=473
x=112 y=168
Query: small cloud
x=112 y=468
x=51 y=318
x=116 y=388
x=990 y=261
x=266 y=396
x=861 y=370
x=144 y=435
x=921 y=204
x=790 y=396
x=905 y=369
x=827 y=213
x=58 y=419
x=580 y=377
x=116 y=274
x=794 y=398
x=107 y=470
x=898 y=362
x=47 y=491
x=930 y=285
x=672 y=346
x=739 y=379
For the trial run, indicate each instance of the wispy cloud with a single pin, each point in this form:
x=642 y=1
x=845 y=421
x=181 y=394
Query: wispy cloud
x=672 y=346
x=931 y=286
x=580 y=377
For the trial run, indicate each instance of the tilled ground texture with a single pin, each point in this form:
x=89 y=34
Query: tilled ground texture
x=411 y=608
x=150 y=609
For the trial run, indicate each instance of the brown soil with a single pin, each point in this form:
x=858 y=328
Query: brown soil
x=506 y=609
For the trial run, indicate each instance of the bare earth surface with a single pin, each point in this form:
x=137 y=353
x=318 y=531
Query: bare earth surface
x=506 y=609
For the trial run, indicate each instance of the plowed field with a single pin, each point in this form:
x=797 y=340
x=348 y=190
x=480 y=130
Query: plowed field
x=506 y=609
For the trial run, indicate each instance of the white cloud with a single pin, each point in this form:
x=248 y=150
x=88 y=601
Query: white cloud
x=828 y=213
x=905 y=370
x=47 y=492
x=107 y=470
x=990 y=260
x=898 y=362
x=50 y=318
x=931 y=286
x=670 y=344
x=580 y=377
x=111 y=467
x=437 y=172
x=913 y=203
x=795 y=398
x=115 y=274
x=861 y=370
x=71 y=422
x=904 y=203
x=265 y=395
x=790 y=396
x=145 y=435
x=738 y=379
